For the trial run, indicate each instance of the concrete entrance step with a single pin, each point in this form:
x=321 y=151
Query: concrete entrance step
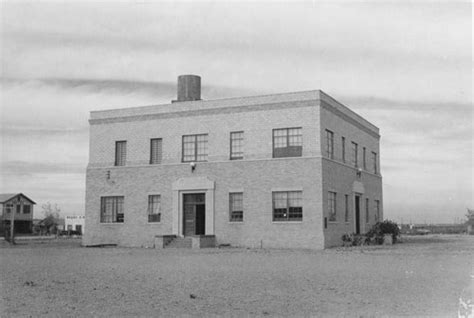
x=196 y=241
x=180 y=242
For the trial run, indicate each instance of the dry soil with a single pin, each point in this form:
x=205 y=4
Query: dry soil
x=422 y=276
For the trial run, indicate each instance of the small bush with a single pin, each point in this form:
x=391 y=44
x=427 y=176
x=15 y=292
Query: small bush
x=354 y=239
x=377 y=232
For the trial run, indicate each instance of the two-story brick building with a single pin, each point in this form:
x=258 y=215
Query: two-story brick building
x=294 y=170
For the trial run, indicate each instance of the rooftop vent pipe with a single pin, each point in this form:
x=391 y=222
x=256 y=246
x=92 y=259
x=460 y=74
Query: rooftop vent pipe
x=189 y=88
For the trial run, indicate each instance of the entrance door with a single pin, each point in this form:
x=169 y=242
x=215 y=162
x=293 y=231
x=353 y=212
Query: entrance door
x=357 y=214
x=194 y=214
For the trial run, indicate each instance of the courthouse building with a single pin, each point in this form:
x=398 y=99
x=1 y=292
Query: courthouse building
x=292 y=170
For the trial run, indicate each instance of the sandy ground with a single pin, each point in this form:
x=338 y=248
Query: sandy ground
x=423 y=276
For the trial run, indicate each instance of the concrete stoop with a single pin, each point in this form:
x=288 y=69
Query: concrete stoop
x=197 y=241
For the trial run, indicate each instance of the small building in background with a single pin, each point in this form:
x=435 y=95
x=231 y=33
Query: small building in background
x=74 y=223
x=22 y=207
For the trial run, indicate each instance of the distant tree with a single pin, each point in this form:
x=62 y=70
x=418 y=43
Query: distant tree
x=49 y=224
x=470 y=216
x=51 y=210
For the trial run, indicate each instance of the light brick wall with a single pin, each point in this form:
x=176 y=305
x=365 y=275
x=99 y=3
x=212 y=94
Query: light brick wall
x=257 y=175
x=257 y=127
x=257 y=179
x=339 y=177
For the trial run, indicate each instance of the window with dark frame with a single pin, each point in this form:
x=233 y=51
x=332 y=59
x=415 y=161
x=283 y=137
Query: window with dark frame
x=236 y=145
x=156 y=150
x=287 y=206
x=329 y=144
x=332 y=206
x=367 y=219
x=26 y=209
x=287 y=142
x=346 y=211
x=154 y=208
x=120 y=153
x=9 y=207
x=377 y=211
x=194 y=148
x=364 y=161
x=374 y=162
x=354 y=154
x=236 y=207
x=18 y=209
x=111 y=209
x=343 y=142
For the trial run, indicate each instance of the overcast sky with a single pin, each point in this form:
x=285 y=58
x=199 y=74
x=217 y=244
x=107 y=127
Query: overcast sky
x=404 y=66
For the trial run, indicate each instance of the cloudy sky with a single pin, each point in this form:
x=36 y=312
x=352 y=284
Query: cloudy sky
x=405 y=66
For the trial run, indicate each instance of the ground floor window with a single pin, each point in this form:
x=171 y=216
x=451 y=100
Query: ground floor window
x=332 y=206
x=236 y=207
x=288 y=206
x=346 y=211
x=367 y=211
x=111 y=209
x=154 y=208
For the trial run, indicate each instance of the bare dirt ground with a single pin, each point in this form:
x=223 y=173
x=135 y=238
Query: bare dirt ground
x=423 y=276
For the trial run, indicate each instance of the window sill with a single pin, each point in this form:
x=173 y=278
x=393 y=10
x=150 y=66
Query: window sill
x=196 y=161
x=287 y=222
x=235 y=222
x=151 y=223
x=111 y=223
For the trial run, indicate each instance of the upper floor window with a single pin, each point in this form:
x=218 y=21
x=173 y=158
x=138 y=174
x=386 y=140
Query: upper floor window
x=377 y=211
x=329 y=144
x=288 y=206
x=364 y=161
x=374 y=161
x=287 y=142
x=156 y=150
x=236 y=145
x=343 y=143
x=120 y=153
x=9 y=207
x=18 y=208
x=111 y=209
x=195 y=148
x=27 y=209
x=354 y=154
x=154 y=208
x=236 y=207
x=332 y=206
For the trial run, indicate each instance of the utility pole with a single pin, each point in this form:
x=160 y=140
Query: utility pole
x=12 y=223
x=19 y=201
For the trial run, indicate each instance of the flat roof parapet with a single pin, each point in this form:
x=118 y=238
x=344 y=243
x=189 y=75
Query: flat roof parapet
x=185 y=106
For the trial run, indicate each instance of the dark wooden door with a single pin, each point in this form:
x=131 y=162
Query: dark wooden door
x=194 y=214
x=189 y=219
x=357 y=214
x=200 y=219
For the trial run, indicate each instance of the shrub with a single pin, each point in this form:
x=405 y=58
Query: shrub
x=354 y=239
x=377 y=232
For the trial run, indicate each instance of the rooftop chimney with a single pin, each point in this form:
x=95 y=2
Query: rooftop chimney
x=189 y=88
